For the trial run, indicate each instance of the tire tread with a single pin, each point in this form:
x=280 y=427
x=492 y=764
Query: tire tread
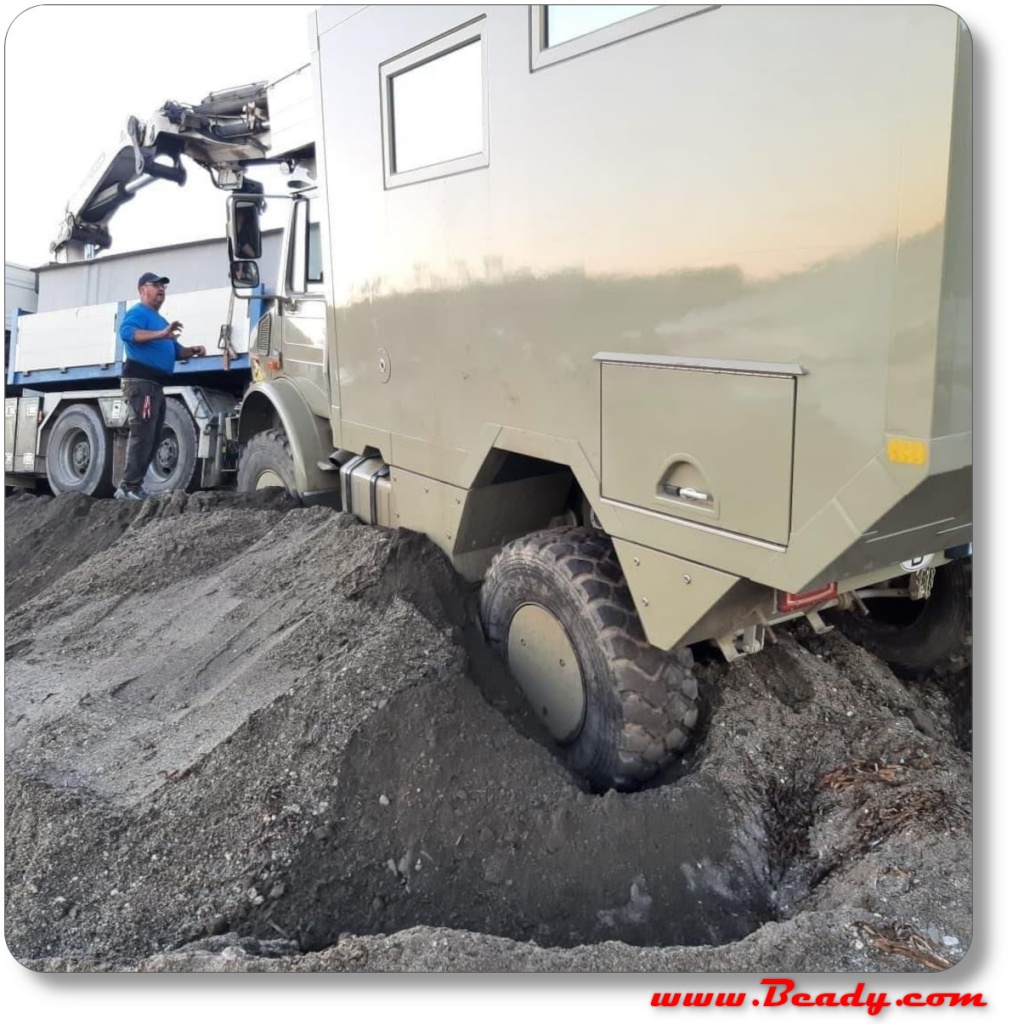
x=655 y=692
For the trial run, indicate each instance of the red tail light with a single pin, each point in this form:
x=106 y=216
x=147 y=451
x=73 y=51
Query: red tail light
x=809 y=598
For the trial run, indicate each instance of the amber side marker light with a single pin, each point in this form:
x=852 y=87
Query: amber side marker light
x=906 y=451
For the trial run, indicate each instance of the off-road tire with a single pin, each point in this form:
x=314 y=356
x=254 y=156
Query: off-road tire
x=931 y=628
x=640 y=702
x=80 y=453
x=267 y=454
x=177 y=468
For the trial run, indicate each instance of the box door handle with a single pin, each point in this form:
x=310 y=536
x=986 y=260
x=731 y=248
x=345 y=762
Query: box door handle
x=690 y=493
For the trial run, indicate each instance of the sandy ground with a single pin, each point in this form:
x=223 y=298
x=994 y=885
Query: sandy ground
x=245 y=736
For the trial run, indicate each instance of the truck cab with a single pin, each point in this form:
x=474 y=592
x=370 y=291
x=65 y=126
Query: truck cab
x=285 y=415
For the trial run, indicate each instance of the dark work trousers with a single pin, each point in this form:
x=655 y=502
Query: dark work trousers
x=146 y=409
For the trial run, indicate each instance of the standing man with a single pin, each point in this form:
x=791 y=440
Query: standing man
x=150 y=350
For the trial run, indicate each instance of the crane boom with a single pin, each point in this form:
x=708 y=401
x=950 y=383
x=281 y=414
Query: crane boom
x=226 y=133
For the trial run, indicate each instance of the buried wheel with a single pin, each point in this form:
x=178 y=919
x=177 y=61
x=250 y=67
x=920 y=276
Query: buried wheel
x=79 y=453
x=175 y=466
x=914 y=636
x=556 y=607
x=267 y=462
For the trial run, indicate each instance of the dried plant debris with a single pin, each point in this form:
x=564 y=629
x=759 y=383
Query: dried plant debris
x=859 y=772
x=927 y=807
x=903 y=940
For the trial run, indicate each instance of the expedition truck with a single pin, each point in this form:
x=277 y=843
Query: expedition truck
x=656 y=320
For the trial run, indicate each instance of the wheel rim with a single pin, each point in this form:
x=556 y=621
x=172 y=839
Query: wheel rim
x=543 y=662
x=166 y=459
x=269 y=478
x=76 y=453
x=81 y=456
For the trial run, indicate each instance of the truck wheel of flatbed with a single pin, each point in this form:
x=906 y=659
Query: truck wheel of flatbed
x=555 y=605
x=267 y=462
x=175 y=466
x=915 y=636
x=79 y=453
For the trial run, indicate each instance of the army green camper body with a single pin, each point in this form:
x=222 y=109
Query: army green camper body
x=697 y=281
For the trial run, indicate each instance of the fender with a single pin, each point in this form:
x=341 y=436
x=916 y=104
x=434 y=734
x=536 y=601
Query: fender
x=268 y=403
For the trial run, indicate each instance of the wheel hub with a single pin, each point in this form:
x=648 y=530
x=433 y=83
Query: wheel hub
x=543 y=661
x=167 y=454
x=81 y=456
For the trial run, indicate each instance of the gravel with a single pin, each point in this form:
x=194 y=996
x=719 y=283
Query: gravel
x=247 y=736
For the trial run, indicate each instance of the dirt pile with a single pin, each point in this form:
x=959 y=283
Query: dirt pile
x=243 y=735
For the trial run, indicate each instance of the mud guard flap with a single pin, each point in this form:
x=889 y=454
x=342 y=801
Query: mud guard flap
x=671 y=594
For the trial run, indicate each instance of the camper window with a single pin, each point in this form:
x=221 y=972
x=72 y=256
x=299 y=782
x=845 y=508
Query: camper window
x=561 y=31
x=434 y=106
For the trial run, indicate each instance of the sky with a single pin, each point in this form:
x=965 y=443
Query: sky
x=71 y=76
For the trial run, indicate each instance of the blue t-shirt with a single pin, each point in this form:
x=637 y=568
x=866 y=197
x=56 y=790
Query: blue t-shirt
x=158 y=354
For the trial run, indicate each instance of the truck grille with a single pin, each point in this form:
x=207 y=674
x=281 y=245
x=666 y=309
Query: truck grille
x=263 y=335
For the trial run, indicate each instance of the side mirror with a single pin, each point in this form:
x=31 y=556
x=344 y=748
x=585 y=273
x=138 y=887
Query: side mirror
x=244 y=229
x=245 y=274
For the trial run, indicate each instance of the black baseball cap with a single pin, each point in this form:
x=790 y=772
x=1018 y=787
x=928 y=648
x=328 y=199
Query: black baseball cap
x=153 y=279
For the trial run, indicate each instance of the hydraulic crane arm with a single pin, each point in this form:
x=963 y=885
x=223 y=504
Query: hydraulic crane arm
x=228 y=132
